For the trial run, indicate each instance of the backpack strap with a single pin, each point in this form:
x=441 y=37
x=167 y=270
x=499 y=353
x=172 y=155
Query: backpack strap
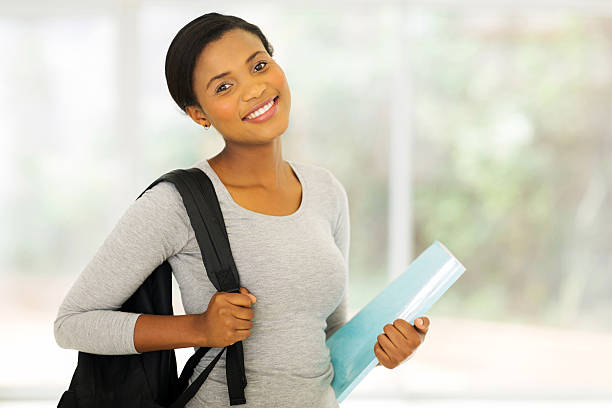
x=208 y=226
x=234 y=368
x=200 y=201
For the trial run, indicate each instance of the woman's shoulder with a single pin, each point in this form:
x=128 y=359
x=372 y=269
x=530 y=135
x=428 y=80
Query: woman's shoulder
x=317 y=172
x=162 y=205
x=162 y=196
x=324 y=178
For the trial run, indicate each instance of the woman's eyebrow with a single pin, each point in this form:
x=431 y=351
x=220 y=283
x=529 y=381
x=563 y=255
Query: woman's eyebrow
x=227 y=73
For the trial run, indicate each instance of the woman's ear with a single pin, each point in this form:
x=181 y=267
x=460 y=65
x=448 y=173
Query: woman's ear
x=196 y=114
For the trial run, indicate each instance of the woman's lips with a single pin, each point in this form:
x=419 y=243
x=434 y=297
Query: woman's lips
x=266 y=115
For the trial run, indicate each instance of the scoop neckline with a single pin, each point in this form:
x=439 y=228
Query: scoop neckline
x=234 y=204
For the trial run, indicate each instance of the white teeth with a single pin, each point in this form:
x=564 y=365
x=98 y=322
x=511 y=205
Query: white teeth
x=261 y=110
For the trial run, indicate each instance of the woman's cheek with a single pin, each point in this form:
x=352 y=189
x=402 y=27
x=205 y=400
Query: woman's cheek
x=280 y=78
x=226 y=110
x=280 y=81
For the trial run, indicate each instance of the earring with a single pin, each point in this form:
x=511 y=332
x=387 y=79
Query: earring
x=206 y=127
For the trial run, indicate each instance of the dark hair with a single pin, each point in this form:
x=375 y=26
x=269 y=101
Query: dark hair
x=189 y=43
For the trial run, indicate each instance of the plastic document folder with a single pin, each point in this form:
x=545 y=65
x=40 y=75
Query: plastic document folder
x=409 y=296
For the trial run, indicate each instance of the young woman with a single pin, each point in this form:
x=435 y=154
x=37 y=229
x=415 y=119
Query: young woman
x=287 y=223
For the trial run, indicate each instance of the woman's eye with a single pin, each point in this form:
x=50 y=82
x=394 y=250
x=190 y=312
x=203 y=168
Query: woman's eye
x=221 y=86
x=261 y=62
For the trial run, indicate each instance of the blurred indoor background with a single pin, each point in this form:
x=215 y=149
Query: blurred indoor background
x=486 y=125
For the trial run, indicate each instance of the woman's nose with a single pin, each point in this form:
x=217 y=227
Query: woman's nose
x=254 y=91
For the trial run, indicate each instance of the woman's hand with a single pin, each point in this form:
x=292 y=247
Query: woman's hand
x=399 y=341
x=227 y=319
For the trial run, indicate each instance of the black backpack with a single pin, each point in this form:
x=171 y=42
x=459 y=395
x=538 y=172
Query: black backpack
x=149 y=379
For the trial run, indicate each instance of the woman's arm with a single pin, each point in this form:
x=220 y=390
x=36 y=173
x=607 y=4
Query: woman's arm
x=342 y=239
x=152 y=229
x=158 y=332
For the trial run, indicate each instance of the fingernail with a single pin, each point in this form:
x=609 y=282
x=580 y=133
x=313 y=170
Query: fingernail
x=419 y=322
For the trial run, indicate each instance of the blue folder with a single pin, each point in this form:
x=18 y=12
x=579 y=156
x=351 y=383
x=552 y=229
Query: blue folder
x=409 y=296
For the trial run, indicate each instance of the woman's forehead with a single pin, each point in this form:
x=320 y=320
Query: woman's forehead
x=233 y=47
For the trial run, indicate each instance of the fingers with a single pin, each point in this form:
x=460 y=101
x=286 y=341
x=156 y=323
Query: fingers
x=413 y=334
x=242 y=334
x=404 y=327
x=240 y=299
x=246 y=292
x=389 y=348
x=238 y=318
x=241 y=312
x=240 y=324
x=421 y=325
x=397 y=338
x=382 y=356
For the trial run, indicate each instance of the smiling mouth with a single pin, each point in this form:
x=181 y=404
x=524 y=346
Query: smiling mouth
x=274 y=100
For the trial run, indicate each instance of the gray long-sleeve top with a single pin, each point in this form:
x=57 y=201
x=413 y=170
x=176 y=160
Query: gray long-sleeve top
x=296 y=265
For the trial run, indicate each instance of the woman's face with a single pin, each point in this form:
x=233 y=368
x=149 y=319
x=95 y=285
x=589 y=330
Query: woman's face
x=226 y=100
